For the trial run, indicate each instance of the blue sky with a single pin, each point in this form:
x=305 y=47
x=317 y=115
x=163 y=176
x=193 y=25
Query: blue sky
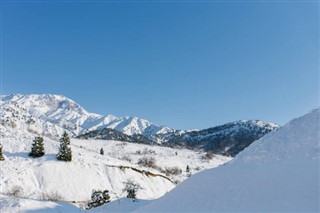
x=182 y=64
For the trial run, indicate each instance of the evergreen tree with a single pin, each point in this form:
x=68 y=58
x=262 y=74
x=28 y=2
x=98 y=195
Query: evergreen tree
x=65 y=149
x=101 y=151
x=131 y=188
x=188 y=169
x=1 y=154
x=37 y=149
x=131 y=193
x=98 y=198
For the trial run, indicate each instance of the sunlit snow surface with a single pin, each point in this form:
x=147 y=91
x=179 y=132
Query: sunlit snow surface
x=278 y=173
x=89 y=170
x=52 y=114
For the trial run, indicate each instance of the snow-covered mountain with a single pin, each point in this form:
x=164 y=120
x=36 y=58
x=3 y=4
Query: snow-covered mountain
x=278 y=173
x=52 y=114
x=229 y=139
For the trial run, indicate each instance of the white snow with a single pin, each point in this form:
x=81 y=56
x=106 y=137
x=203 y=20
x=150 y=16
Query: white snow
x=74 y=181
x=23 y=205
x=278 y=173
x=59 y=113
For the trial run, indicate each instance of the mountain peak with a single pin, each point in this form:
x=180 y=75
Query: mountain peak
x=65 y=113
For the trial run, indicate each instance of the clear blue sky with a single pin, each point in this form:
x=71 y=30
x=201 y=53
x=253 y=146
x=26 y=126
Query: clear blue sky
x=182 y=64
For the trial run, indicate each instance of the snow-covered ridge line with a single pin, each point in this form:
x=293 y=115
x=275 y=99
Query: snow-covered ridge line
x=51 y=115
x=63 y=113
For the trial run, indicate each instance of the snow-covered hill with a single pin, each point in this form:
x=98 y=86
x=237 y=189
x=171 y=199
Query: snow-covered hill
x=278 y=173
x=47 y=112
x=45 y=177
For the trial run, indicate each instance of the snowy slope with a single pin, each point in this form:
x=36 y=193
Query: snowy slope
x=63 y=113
x=39 y=177
x=278 y=173
x=88 y=170
x=22 y=205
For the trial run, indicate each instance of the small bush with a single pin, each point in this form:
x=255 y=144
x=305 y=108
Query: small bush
x=226 y=153
x=208 y=156
x=148 y=162
x=173 y=171
x=126 y=158
x=16 y=191
x=53 y=196
x=1 y=154
x=13 y=124
x=148 y=151
x=176 y=182
x=138 y=152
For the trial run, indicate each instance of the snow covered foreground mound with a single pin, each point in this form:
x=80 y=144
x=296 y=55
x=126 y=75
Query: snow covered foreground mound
x=278 y=173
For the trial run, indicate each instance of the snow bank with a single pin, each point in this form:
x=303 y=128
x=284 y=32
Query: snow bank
x=278 y=173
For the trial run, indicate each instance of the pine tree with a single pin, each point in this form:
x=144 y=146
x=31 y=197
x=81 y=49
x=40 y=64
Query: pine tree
x=1 y=154
x=101 y=151
x=98 y=198
x=188 y=169
x=65 y=149
x=131 y=188
x=131 y=193
x=37 y=149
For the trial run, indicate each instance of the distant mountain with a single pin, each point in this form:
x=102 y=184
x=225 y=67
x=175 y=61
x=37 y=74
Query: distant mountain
x=230 y=138
x=227 y=139
x=52 y=114
x=278 y=173
x=112 y=134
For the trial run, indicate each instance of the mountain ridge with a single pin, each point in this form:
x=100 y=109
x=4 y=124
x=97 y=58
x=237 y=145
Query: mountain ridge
x=67 y=114
x=51 y=115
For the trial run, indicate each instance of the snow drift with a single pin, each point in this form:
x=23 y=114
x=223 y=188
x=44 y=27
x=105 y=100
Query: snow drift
x=278 y=173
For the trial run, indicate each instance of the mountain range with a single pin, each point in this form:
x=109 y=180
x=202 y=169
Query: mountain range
x=51 y=115
x=62 y=113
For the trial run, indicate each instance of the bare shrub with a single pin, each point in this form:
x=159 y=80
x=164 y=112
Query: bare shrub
x=176 y=182
x=16 y=191
x=13 y=124
x=148 y=162
x=208 y=156
x=53 y=196
x=173 y=171
x=148 y=151
x=226 y=153
x=138 y=152
x=122 y=144
x=198 y=168
x=126 y=158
